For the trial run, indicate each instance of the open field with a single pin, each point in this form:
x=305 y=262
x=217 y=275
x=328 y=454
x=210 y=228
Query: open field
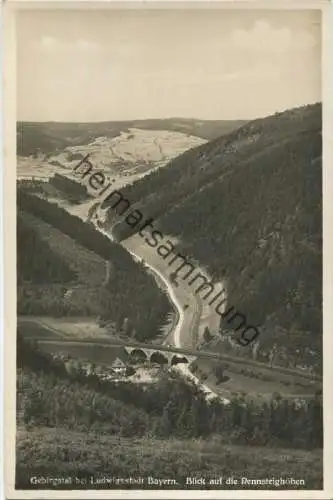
x=41 y=451
x=31 y=328
x=255 y=382
x=92 y=353
x=52 y=137
x=39 y=326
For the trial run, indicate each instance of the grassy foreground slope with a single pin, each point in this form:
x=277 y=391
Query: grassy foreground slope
x=59 y=452
x=71 y=423
x=248 y=206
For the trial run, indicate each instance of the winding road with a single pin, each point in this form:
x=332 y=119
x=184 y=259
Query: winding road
x=186 y=330
x=188 y=320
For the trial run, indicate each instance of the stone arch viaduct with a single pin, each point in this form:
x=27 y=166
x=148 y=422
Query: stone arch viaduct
x=157 y=356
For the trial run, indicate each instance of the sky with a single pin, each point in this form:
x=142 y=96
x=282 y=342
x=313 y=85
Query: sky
x=89 y=66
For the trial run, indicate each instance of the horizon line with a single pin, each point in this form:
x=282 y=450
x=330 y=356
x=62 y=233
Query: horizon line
x=140 y=120
x=183 y=118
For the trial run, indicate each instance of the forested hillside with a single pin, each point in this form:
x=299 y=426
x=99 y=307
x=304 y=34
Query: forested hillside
x=72 y=190
x=248 y=206
x=128 y=292
x=36 y=262
x=172 y=413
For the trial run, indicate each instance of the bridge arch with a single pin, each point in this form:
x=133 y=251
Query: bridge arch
x=138 y=355
x=159 y=358
x=175 y=360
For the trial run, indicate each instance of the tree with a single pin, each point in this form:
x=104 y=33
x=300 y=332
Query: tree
x=129 y=371
x=219 y=373
x=133 y=333
x=165 y=427
x=207 y=335
x=125 y=326
x=315 y=421
x=173 y=277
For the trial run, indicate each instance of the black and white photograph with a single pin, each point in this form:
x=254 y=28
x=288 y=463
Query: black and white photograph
x=169 y=249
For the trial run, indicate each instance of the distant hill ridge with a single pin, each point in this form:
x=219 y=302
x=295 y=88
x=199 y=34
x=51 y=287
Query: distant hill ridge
x=51 y=136
x=127 y=153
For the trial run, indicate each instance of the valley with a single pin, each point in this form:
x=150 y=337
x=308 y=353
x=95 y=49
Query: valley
x=102 y=295
x=194 y=316
x=170 y=298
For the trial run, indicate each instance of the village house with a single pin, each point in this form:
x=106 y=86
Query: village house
x=119 y=366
